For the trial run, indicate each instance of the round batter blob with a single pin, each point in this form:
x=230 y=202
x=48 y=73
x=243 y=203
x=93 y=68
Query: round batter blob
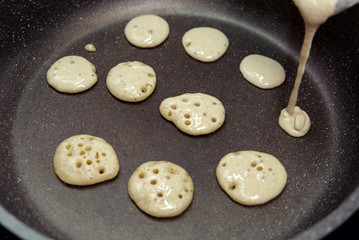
x=85 y=160
x=131 y=81
x=161 y=188
x=262 y=71
x=251 y=177
x=296 y=124
x=72 y=74
x=194 y=113
x=147 y=31
x=90 y=47
x=205 y=44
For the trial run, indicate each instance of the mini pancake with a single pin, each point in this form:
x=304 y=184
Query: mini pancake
x=131 y=81
x=147 y=31
x=296 y=124
x=161 y=188
x=194 y=113
x=72 y=74
x=205 y=44
x=262 y=71
x=85 y=160
x=251 y=177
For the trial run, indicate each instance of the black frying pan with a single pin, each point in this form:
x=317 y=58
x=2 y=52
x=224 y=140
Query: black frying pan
x=322 y=189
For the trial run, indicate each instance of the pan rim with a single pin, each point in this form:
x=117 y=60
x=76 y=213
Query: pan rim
x=17 y=227
x=333 y=220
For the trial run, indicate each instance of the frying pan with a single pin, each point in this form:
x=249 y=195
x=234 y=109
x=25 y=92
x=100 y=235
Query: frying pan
x=322 y=189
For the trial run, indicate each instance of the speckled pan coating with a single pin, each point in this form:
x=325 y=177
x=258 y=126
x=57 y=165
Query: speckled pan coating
x=322 y=166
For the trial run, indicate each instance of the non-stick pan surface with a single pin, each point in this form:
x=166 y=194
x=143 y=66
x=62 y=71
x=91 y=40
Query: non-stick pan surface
x=322 y=188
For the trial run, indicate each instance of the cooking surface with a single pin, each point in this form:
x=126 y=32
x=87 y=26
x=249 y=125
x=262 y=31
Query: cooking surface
x=319 y=165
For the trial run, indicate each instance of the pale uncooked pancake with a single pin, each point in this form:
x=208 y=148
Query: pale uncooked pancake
x=161 y=188
x=90 y=47
x=131 y=81
x=194 y=113
x=205 y=44
x=147 y=31
x=85 y=160
x=262 y=71
x=251 y=177
x=72 y=74
x=296 y=124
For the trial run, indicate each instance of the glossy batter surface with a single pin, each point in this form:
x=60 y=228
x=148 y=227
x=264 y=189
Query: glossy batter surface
x=262 y=71
x=205 y=44
x=72 y=74
x=296 y=124
x=147 y=31
x=90 y=47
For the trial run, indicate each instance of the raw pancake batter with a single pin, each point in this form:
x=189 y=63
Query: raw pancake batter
x=292 y=119
x=262 y=71
x=90 y=47
x=72 y=74
x=147 y=31
x=131 y=81
x=205 y=44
